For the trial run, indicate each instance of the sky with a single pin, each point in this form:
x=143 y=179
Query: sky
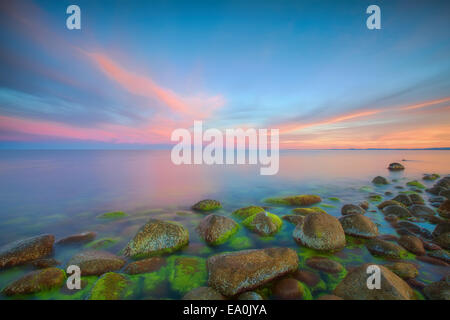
x=137 y=70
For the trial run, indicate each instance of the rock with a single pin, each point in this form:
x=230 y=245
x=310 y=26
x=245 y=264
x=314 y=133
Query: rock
x=403 y=199
x=445 y=193
x=431 y=177
x=443 y=240
x=364 y=205
x=431 y=260
x=412 y=244
x=392 y=219
x=375 y=197
x=439 y=199
x=380 y=180
x=307 y=277
x=187 y=273
x=415 y=184
x=246 y=212
x=145 y=265
x=306 y=211
x=388 y=237
x=263 y=223
x=110 y=286
x=293 y=218
x=215 y=229
x=36 y=281
x=250 y=295
x=440 y=254
x=26 y=250
x=424 y=233
x=45 y=263
x=299 y=200
x=203 y=293
x=324 y=264
x=395 y=166
x=430 y=246
x=418 y=210
x=78 y=238
x=112 y=215
x=398 y=211
x=255 y=267
x=444 y=209
x=435 y=190
x=389 y=203
x=207 y=205
x=93 y=262
x=358 y=225
x=385 y=249
x=413 y=283
x=416 y=198
x=289 y=289
x=404 y=270
x=352 y=209
x=329 y=297
x=388 y=193
x=442 y=227
x=157 y=237
x=439 y=290
x=354 y=286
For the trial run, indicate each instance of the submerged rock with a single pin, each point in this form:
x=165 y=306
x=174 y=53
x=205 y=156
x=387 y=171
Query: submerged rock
x=203 y=293
x=321 y=232
x=78 y=238
x=443 y=240
x=385 y=249
x=307 y=277
x=364 y=205
x=395 y=166
x=389 y=203
x=306 y=211
x=442 y=227
x=235 y=272
x=403 y=199
x=207 y=205
x=246 y=212
x=299 y=200
x=404 y=270
x=95 y=262
x=157 y=237
x=412 y=244
x=358 y=225
x=443 y=255
x=398 y=211
x=416 y=198
x=352 y=209
x=263 y=223
x=444 y=209
x=293 y=218
x=36 y=281
x=110 y=286
x=419 y=210
x=354 y=286
x=45 y=263
x=439 y=290
x=215 y=229
x=380 y=180
x=415 y=184
x=431 y=260
x=250 y=295
x=188 y=273
x=145 y=265
x=290 y=289
x=431 y=177
x=324 y=264
x=112 y=215
x=26 y=250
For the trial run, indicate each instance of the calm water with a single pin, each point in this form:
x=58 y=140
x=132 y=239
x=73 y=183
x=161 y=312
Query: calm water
x=62 y=192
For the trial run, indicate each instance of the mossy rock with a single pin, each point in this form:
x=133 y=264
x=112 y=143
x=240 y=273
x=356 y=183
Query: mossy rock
x=102 y=243
x=390 y=203
x=431 y=177
x=263 y=223
x=298 y=200
x=36 y=281
x=110 y=286
x=187 y=273
x=246 y=212
x=216 y=230
x=415 y=184
x=112 y=215
x=328 y=206
x=306 y=211
x=207 y=205
x=375 y=198
x=335 y=199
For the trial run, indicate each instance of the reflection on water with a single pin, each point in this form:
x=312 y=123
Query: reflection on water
x=62 y=192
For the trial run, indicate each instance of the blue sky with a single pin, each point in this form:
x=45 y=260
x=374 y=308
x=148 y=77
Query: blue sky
x=139 y=69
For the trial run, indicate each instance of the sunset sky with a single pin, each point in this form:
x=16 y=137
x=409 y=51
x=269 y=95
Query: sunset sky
x=137 y=70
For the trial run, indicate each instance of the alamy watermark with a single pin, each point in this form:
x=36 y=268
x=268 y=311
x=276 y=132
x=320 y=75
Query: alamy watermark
x=229 y=147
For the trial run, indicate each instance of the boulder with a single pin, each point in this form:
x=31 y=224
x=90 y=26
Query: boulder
x=263 y=223
x=96 y=262
x=404 y=270
x=352 y=209
x=389 y=203
x=398 y=211
x=320 y=232
x=443 y=240
x=385 y=249
x=358 y=225
x=380 y=180
x=290 y=289
x=236 y=272
x=298 y=200
x=110 y=286
x=324 y=264
x=26 y=250
x=404 y=199
x=157 y=237
x=419 y=210
x=36 y=281
x=442 y=227
x=246 y=212
x=293 y=218
x=215 y=229
x=444 y=209
x=412 y=244
x=395 y=166
x=207 y=205
x=78 y=238
x=144 y=266
x=439 y=290
x=392 y=287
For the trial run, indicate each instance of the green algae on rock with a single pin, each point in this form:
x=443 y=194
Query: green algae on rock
x=306 y=211
x=246 y=212
x=320 y=232
x=415 y=184
x=112 y=215
x=431 y=177
x=102 y=243
x=36 y=281
x=157 y=237
x=375 y=198
x=352 y=209
x=215 y=229
x=334 y=199
x=186 y=273
x=207 y=205
x=26 y=250
x=236 y=272
x=354 y=286
x=380 y=180
x=263 y=223
x=299 y=200
x=110 y=286
x=240 y=243
x=96 y=262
